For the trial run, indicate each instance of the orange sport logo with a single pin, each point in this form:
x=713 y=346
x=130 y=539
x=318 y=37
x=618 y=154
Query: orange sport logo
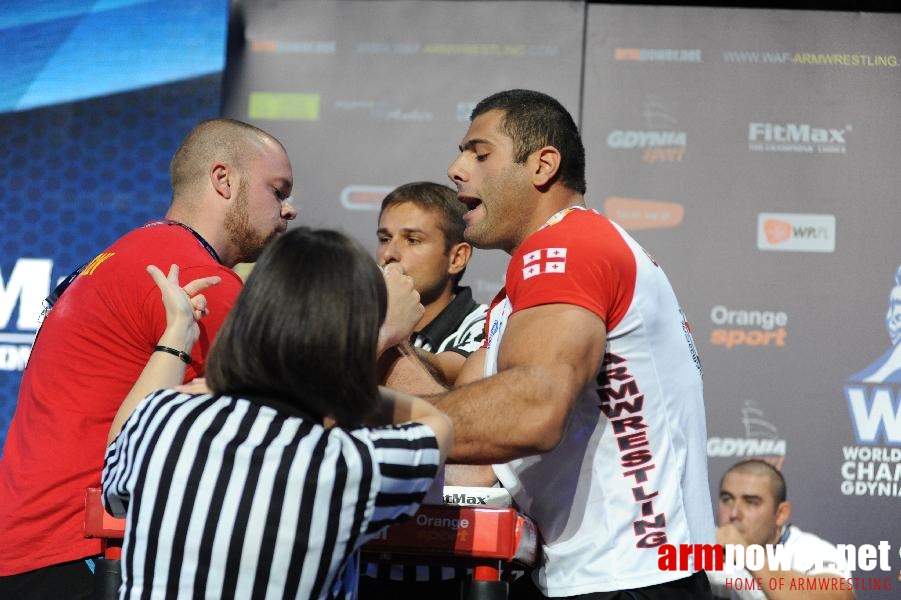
x=740 y=327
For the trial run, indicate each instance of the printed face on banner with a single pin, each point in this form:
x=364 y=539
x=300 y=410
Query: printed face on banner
x=873 y=396
x=893 y=316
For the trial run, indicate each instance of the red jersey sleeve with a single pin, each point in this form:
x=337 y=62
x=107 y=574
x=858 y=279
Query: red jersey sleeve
x=580 y=260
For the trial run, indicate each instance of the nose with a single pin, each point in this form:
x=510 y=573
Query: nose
x=456 y=172
x=388 y=253
x=734 y=513
x=289 y=213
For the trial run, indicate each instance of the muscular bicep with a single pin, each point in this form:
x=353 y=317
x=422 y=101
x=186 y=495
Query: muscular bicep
x=548 y=355
x=560 y=346
x=472 y=369
x=448 y=365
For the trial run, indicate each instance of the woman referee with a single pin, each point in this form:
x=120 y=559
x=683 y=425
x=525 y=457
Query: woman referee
x=267 y=485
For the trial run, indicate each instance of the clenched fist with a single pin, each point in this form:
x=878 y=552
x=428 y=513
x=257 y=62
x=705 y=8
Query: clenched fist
x=404 y=308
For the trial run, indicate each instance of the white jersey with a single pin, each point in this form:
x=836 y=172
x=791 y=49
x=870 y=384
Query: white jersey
x=805 y=549
x=631 y=471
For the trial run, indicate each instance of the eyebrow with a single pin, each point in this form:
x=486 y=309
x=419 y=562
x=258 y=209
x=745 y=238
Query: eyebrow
x=745 y=497
x=470 y=144
x=402 y=230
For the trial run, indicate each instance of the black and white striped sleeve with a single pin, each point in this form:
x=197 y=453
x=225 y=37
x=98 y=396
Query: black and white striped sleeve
x=120 y=461
x=408 y=458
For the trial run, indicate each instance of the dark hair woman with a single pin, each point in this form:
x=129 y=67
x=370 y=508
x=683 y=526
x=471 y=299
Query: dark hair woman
x=270 y=483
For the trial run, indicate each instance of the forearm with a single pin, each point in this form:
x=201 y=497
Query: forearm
x=519 y=412
x=163 y=370
x=396 y=407
x=403 y=369
x=469 y=475
x=444 y=366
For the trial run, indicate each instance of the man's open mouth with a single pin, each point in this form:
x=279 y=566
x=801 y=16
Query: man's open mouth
x=471 y=203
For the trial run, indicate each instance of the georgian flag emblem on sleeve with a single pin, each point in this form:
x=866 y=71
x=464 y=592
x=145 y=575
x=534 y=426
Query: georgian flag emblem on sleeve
x=545 y=260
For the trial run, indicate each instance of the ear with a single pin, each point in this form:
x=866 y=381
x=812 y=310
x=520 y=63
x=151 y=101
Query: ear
x=220 y=178
x=783 y=513
x=544 y=164
x=458 y=257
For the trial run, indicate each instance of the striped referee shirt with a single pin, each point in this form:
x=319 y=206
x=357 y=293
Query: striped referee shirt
x=459 y=328
x=249 y=498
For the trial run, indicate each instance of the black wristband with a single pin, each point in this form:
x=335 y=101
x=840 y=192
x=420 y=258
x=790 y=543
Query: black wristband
x=184 y=356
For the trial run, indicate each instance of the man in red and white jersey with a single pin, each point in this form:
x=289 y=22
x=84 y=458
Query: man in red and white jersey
x=591 y=405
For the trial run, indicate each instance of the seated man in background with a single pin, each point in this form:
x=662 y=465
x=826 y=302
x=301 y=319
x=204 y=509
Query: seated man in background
x=421 y=227
x=753 y=509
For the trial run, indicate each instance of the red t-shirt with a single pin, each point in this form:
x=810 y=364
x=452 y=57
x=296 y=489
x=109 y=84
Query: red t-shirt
x=87 y=355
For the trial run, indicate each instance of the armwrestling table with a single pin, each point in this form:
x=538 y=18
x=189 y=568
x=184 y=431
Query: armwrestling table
x=483 y=538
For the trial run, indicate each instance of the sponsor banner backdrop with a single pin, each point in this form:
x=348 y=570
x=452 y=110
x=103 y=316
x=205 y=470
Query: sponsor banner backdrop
x=365 y=101
x=754 y=154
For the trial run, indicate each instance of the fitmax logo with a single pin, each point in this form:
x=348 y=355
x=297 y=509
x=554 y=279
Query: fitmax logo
x=796 y=137
x=794 y=133
x=464 y=499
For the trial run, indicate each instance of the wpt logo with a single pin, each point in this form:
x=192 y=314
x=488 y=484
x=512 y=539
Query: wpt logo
x=874 y=394
x=788 y=232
